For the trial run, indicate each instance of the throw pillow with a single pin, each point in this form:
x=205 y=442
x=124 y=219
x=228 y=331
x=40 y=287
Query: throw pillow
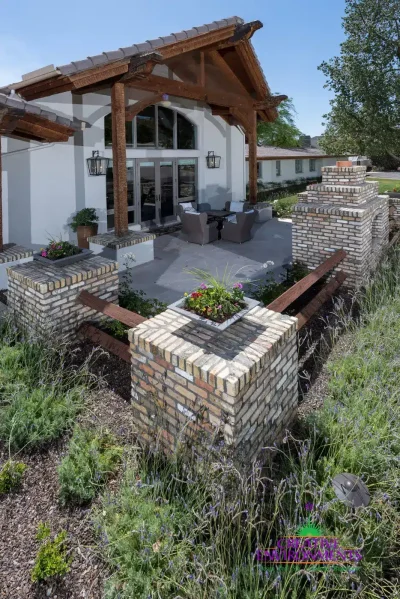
x=237 y=206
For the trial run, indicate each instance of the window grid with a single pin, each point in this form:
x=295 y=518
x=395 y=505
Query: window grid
x=278 y=168
x=312 y=165
x=298 y=166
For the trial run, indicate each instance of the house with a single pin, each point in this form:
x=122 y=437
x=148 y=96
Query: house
x=154 y=114
x=277 y=165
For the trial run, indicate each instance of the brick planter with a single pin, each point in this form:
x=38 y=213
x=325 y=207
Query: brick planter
x=44 y=298
x=82 y=255
x=189 y=382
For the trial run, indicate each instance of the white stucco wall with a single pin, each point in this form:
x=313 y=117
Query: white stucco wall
x=44 y=185
x=288 y=169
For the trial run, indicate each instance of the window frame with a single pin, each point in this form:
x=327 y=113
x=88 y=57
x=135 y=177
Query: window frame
x=298 y=163
x=135 y=146
x=259 y=169
x=278 y=168
x=313 y=161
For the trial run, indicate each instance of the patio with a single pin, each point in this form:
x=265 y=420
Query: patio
x=166 y=277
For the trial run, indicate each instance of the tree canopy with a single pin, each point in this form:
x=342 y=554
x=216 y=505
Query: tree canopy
x=365 y=112
x=283 y=132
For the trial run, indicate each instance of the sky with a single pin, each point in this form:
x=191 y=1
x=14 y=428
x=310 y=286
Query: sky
x=297 y=36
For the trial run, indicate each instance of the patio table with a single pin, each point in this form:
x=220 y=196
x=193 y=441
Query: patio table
x=219 y=216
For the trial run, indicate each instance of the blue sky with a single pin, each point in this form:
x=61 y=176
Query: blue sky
x=296 y=37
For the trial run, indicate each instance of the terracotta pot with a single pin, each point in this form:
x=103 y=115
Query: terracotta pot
x=85 y=231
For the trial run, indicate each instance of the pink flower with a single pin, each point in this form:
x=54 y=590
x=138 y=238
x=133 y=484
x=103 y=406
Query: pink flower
x=219 y=307
x=203 y=286
x=44 y=254
x=238 y=286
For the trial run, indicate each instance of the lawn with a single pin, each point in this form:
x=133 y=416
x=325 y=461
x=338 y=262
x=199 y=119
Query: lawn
x=387 y=184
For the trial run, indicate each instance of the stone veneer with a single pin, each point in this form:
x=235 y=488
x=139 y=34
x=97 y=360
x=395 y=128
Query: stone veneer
x=344 y=211
x=136 y=243
x=12 y=253
x=188 y=380
x=44 y=297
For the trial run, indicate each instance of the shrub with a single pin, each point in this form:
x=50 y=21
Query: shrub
x=11 y=476
x=58 y=249
x=84 y=218
x=91 y=458
x=40 y=392
x=267 y=292
x=284 y=206
x=52 y=558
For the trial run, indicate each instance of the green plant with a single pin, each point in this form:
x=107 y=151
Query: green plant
x=84 y=218
x=58 y=249
x=11 y=476
x=284 y=206
x=213 y=299
x=267 y=292
x=91 y=458
x=40 y=391
x=52 y=558
x=136 y=300
x=117 y=329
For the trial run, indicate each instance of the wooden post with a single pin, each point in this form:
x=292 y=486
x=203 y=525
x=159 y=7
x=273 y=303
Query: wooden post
x=119 y=159
x=1 y=202
x=252 y=139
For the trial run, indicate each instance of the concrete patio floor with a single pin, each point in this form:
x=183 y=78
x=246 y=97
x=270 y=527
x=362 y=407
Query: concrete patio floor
x=166 y=277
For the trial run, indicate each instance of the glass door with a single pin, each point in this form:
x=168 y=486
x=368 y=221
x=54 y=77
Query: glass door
x=147 y=192
x=165 y=196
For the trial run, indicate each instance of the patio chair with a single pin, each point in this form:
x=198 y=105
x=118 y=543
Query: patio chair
x=195 y=226
x=240 y=230
x=185 y=207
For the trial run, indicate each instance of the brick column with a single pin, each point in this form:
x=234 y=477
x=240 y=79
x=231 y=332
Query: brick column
x=44 y=298
x=189 y=381
x=344 y=211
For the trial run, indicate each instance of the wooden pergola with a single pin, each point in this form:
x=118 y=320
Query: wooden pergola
x=214 y=64
x=28 y=122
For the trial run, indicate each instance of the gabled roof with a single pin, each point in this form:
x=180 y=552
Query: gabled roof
x=275 y=153
x=28 y=121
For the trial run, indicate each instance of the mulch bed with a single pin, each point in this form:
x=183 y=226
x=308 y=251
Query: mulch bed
x=37 y=500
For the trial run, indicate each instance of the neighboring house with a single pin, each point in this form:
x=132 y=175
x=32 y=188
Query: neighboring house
x=215 y=83
x=276 y=165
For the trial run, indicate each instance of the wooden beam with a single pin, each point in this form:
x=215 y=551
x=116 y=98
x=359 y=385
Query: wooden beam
x=252 y=139
x=43 y=122
x=95 y=76
x=292 y=294
x=223 y=66
x=271 y=102
x=1 y=201
x=202 y=74
x=98 y=337
x=198 y=42
x=134 y=109
x=326 y=293
x=40 y=131
x=162 y=85
x=119 y=159
x=131 y=319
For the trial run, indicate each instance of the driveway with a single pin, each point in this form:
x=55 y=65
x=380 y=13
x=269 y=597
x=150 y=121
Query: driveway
x=166 y=278
x=384 y=175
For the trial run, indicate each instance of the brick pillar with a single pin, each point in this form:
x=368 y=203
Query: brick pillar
x=344 y=211
x=189 y=381
x=44 y=298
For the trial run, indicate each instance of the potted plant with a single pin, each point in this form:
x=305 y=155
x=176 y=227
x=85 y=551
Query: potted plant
x=84 y=224
x=61 y=253
x=214 y=304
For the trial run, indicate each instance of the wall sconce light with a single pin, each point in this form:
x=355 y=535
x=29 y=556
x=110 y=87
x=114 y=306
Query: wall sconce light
x=212 y=160
x=97 y=165
x=165 y=101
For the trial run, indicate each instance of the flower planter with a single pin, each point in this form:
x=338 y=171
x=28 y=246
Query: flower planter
x=211 y=324
x=394 y=194
x=83 y=254
x=85 y=231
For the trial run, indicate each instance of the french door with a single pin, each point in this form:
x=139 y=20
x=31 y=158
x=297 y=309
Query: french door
x=155 y=186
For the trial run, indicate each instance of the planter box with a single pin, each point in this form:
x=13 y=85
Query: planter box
x=394 y=194
x=210 y=324
x=64 y=261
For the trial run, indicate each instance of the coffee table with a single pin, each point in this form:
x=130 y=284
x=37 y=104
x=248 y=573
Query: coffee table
x=219 y=216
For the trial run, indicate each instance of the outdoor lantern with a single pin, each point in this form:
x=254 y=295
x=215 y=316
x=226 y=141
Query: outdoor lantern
x=213 y=161
x=97 y=165
x=351 y=489
x=165 y=101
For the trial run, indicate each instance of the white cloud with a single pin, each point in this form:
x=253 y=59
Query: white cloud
x=15 y=59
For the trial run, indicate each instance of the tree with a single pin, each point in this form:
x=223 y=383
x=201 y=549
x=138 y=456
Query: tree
x=365 y=112
x=283 y=132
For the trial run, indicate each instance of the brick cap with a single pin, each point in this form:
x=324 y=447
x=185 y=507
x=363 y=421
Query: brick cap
x=226 y=360
x=12 y=252
x=112 y=241
x=344 y=163
x=44 y=278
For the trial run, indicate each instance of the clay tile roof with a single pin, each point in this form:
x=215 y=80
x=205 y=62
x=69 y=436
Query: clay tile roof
x=271 y=152
x=18 y=106
x=106 y=57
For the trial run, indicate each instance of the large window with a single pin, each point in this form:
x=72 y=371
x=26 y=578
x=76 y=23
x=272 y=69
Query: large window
x=298 y=166
x=278 y=168
x=156 y=127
